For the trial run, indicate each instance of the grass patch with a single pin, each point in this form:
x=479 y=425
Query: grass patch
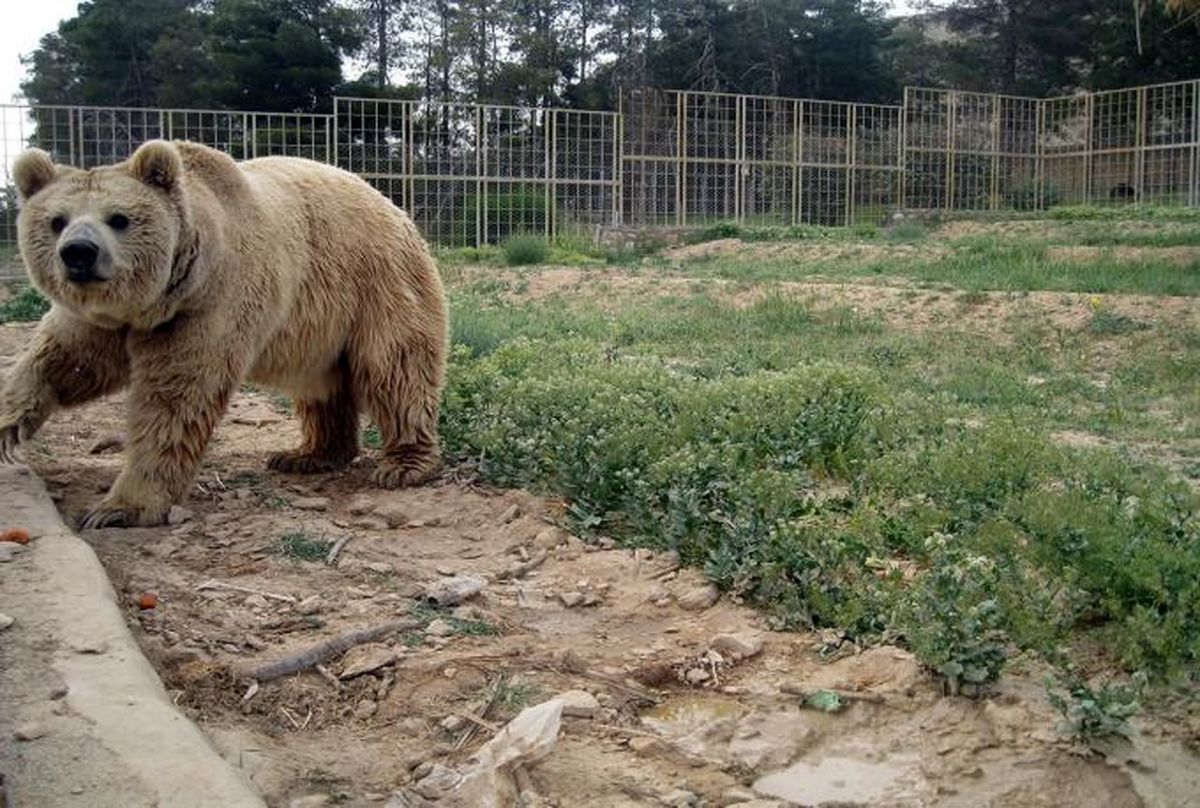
x=838 y=470
x=299 y=546
x=26 y=306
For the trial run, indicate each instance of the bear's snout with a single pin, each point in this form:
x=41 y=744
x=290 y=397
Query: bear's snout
x=81 y=254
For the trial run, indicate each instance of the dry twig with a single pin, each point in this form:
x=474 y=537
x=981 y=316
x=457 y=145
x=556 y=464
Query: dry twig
x=324 y=651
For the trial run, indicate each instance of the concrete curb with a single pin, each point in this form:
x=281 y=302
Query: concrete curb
x=115 y=738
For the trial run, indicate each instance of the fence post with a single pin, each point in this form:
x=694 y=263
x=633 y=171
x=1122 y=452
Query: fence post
x=1139 y=145
x=551 y=168
x=681 y=157
x=799 y=162
x=739 y=129
x=480 y=197
x=618 y=167
x=481 y=213
x=851 y=131
x=949 y=189
x=1039 y=156
x=1194 y=185
x=902 y=151
x=1089 y=146
x=994 y=189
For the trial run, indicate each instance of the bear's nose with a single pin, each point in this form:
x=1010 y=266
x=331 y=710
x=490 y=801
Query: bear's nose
x=80 y=256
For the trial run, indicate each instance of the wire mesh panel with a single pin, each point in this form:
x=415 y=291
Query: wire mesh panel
x=1064 y=145
x=927 y=147
x=585 y=169
x=650 y=142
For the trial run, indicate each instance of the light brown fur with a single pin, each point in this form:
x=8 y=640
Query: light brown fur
x=278 y=271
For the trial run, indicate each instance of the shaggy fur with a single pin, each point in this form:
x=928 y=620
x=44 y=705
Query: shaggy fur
x=278 y=271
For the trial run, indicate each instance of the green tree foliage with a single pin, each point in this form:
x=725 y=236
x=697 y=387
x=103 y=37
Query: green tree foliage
x=280 y=55
x=290 y=55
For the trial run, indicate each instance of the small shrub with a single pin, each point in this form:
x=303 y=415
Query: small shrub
x=720 y=230
x=525 y=249
x=24 y=307
x=907 y=232
x=953 y=620
x=1096 y=714
x=1108 y=323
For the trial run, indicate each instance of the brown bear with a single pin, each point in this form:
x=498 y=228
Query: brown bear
x=181 y=273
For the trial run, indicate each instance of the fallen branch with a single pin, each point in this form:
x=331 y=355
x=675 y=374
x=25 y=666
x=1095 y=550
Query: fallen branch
x=328 y=676
x=334 y=551
x=324 y=651
x=215 y=584
x=523 y=568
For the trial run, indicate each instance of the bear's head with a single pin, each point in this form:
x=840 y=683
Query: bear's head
x=109 y=243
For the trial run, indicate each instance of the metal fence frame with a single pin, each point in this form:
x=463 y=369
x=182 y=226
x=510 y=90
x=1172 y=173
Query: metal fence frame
x=472 y=174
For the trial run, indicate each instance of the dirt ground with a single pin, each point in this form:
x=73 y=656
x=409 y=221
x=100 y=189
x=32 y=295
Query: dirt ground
x=695 y=700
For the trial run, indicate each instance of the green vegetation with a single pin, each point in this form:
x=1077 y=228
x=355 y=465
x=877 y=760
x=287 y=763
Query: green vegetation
x=299 y=546
x=523 y=249
x=24 y=306
x=841 y=468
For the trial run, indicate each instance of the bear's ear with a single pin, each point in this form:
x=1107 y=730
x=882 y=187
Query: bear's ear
x=32 y=171
x=157 y=163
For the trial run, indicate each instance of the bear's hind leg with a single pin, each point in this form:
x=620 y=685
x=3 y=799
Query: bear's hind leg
x=330 y=429
x=402 y=392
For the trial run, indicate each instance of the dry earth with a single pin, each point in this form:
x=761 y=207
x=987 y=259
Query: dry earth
x=694 y=700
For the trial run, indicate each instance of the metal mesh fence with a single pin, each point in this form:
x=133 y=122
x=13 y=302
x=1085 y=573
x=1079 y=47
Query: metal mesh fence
x=693 y=157
x=472 y=174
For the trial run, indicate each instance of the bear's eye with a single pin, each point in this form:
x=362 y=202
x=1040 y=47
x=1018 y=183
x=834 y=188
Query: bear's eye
x=58 y=223
x=118 y=221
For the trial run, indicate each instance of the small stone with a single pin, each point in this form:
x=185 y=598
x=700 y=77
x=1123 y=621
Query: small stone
x=310 y=801
x=738 y=646
x=178 y=514
x=371 y=523
x=30 y=731
x=697 y=676
x=579 y=704
x=605 y=543
x=6 y=621
x=699 y=598
x=548 y=539
x=679 y=798
x=244 y=493
x=439 y=628
x=381 y=567
x=254 y=602
x=361 y=505
x=647 y=746
x=59 y=692
x=510 y=513
x=77 y=790
x=392 y=514
x=366 y=658
x=310 y=605
x=365 y=709
x=310 y=503
x=7 y=551
x=571 y=599
x=453 y=723
x=735 y=795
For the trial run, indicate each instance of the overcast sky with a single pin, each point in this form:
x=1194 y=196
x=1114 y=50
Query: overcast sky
x=22 y=29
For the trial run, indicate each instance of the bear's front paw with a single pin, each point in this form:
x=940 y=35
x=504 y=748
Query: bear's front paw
x=408 y=465
x=15 y=429
x=115 y=514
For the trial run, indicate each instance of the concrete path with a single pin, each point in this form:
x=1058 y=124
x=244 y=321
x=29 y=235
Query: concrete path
x=72 y=675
